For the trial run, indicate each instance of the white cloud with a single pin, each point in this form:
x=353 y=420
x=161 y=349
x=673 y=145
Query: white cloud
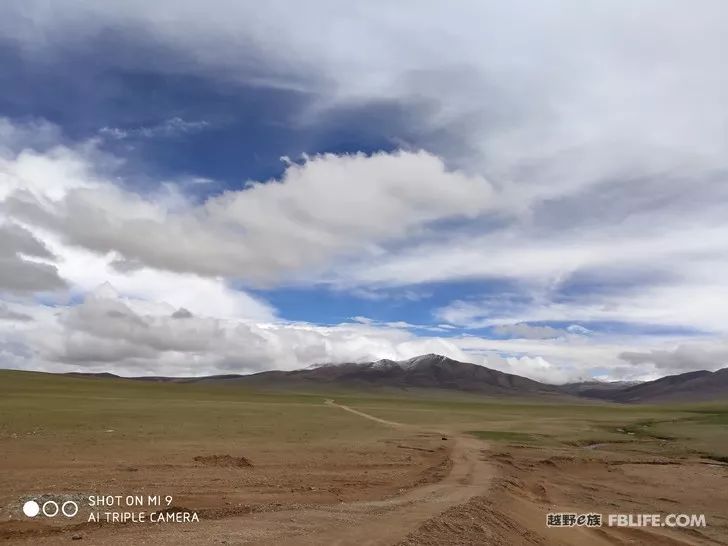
x=362 y=320
x=201 y=295
x=537 y=368
x=689 y=305
x=327 y=207
x=711 y=355
x=110 y=332
x=572 y=358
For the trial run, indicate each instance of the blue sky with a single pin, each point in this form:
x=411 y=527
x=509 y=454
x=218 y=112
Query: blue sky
x=230 y=131
x=542 y=193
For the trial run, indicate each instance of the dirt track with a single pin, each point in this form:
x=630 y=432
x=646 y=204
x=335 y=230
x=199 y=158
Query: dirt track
x=389 y=521
x=394 y=424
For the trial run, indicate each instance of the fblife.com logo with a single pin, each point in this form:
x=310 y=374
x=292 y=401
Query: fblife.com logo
x=50 y=509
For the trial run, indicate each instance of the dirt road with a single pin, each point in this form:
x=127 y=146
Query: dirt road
x=394 y=424
x=389 y=521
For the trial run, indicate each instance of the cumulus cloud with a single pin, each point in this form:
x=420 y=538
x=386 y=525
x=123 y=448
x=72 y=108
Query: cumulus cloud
x=129 y=336
x=110 y=332
x=537 y=368
x=330 y=205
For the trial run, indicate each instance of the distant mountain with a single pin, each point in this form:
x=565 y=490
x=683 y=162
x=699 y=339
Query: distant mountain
x=596 y=389
x=426 y=371
x=686 y=387
x=160 y=378
x=438 y=372
x=92 y=374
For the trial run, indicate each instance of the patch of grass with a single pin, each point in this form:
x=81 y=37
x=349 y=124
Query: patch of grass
x=639 y=430
x=713 y=417
x=645 y=429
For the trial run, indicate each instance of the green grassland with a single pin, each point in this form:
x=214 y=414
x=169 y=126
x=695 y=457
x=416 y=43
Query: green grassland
x=79 y=409
x=678 y=430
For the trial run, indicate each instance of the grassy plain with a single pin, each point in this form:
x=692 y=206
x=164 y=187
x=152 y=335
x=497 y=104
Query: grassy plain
x=77 y=436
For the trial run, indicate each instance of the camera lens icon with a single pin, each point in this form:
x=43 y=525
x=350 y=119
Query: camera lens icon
x=50 y=509
x=69 y=509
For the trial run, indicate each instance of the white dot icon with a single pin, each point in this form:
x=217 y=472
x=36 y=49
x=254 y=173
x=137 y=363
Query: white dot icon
x=31 y=509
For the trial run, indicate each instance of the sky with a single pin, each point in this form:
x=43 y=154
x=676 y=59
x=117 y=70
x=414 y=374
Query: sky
x=193 y=188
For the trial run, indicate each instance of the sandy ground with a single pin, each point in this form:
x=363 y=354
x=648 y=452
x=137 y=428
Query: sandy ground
x=529 y=486
x=455 y=490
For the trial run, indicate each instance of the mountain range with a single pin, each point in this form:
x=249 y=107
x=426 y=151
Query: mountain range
x=438 y=372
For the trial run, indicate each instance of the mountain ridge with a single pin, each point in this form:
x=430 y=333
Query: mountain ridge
x=424 y=371
x=432 y=371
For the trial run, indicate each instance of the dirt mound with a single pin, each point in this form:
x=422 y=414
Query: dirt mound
x=473 y=523
x=223 y=460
